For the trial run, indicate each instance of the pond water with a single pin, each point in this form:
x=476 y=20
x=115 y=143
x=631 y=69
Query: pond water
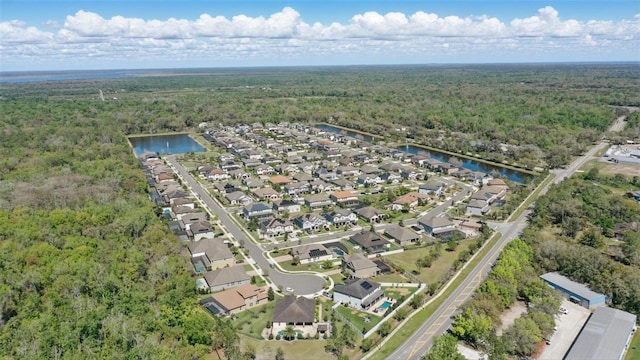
x=470 y=164
x=165 y=144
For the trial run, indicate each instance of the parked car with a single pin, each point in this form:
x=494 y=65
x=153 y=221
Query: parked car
x=564 y=311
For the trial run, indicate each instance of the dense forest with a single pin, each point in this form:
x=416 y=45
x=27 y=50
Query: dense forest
x=529 y=115
x=89 y=271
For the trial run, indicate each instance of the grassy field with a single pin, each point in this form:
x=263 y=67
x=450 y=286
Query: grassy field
x=634 y=348
x=439 y=267
x=251 y=322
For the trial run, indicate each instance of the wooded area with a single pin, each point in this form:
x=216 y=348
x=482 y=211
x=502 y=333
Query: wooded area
x=88 y=270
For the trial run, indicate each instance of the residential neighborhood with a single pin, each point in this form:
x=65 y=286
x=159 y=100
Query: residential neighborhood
x=337 y=206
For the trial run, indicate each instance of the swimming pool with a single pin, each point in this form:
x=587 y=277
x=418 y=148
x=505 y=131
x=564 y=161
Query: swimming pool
x=385 y=305
x=281 y=333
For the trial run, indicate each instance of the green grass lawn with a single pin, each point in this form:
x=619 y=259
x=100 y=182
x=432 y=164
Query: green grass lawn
x=357 y=318
x=251 y=322
x=440 y=266
x=634 y=348
x=296 y=349
x=337 y=278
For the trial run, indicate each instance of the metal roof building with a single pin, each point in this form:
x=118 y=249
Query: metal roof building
x=606 y=335
x=576 y=292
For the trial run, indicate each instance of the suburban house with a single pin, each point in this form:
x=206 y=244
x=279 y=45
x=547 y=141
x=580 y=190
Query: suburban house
x=497 y=182
x=257 y=211
x=239 y=174
x=325 y=174
x=191 y=218
x=233 y=301
x=490 y=194
x=253 y=184
x=368 y=180
x=438 y=226
x=347 y=171
x=226 y=278
x=296 y=188
x=238 y=198
x=294 y=311
x=302 y=177
x=391 y=178
x=217 y=175
x=341 y=217
x=285 y=205
x=317 y=201
x=186 y=202
x=279 y=180
x=210 y=254
x=276 y=227
x=264 y=170
x=409 y=173
x=345 y=198
x=477 y=208
x=311 y=253
x=266 y=194
x=358 y=293
x=200 y=230
x=432 y=188
x=181 y=211
x=401 y=235
x=318 y=185
x=371 y=214
x=343 y=184
x=409 y=201
x=370 y=169
x=370 y=242
x=310 y=222
x=251 y=163
x=359 y=266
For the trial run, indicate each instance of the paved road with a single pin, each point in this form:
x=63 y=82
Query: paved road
x=303 y=284
x=420 y=341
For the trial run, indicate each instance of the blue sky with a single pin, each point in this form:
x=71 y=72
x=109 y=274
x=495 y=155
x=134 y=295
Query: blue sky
x=103 y=34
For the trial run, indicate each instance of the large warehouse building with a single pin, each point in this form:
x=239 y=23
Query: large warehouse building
x=606 y=335
x=575 y=292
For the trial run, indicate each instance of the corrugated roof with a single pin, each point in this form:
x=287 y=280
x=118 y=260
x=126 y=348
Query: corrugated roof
x=570 y=285
x=604 y=336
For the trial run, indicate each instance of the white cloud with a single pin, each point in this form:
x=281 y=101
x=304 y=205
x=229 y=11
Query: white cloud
x=285 y=36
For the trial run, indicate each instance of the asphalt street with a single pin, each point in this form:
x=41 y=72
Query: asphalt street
x=302 y=284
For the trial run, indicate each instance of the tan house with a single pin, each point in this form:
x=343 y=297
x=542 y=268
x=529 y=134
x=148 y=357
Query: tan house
x=238 y=299
x=210 y=254
x=359 y=266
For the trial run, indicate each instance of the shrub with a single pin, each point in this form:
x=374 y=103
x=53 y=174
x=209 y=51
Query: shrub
x=278 y=337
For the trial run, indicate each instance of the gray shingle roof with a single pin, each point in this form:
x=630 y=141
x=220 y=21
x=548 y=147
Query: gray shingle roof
x=294 y=310
x=357 y=288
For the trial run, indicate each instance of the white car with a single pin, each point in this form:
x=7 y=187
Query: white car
x=564 y=311
x=288 y=289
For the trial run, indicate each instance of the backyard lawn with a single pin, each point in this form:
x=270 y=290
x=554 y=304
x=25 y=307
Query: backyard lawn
x=251 y=322
x=439 y=267
x=357 y=318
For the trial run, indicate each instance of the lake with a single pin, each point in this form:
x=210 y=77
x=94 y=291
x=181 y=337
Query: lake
x=468 y=164
x=165 y=144
x=471 y=164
